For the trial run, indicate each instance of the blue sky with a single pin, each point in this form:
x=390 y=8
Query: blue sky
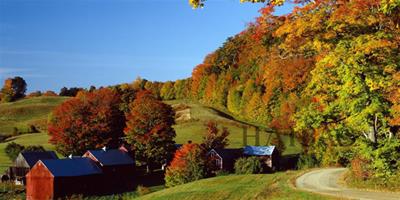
x=56 y=43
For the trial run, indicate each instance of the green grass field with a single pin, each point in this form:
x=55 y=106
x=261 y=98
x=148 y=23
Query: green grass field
x=26 y=139
x=195 y=129
x=277 y=186
x=23 y=113
x=232 y=187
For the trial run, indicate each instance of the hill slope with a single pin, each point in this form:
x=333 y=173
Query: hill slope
x=26 y=139
x=197 y=115
x=21 y=114
x=260 y=186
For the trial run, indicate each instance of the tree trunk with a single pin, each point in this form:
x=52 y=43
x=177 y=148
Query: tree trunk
x=373 y=130
x=148 y=169
x=372 y=135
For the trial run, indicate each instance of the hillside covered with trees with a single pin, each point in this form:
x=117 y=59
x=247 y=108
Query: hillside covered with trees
x=329 y=72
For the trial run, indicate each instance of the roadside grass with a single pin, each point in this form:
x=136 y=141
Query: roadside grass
x=23 y=113
x=194 y=129
x=351 y=181
x=259 y=186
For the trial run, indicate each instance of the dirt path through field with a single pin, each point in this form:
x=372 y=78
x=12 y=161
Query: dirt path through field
x=325 y=181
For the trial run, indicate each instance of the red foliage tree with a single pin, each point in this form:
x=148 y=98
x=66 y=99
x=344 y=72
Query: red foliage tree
x=188 y=165
x=213 y=139
x=149 y=129
x=92 y=120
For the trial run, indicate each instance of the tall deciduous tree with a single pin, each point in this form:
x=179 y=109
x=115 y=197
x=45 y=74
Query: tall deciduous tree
x=90 y=121
x=149 y=129
x=13 y=89
x=214 y=139
x=167 y=91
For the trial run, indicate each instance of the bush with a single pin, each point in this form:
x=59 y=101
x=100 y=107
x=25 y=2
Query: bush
x=307 y=161
x=250 y=165
x=188 y=165
x=359 y=168
x=3 y=138
x=35 y=148
x=13 y=149
x=32 y=129
x=382 y=160
x=141 y=190
x=9 y=190
x=16 y=132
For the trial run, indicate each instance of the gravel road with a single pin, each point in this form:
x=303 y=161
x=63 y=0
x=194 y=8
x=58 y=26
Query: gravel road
x=325 y=181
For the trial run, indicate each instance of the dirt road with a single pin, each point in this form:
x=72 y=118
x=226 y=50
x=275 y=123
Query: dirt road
x=325 y=181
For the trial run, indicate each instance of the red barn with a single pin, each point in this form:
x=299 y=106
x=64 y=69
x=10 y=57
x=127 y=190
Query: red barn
x=224 y=159
x=25 y=161
x=118 y=168
x=52 y=179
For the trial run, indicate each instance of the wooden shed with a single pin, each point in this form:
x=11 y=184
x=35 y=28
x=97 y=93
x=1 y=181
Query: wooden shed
x=25 y=161
x=224 y=159
x=53 y=179
x=118 y=168
x=269 y=155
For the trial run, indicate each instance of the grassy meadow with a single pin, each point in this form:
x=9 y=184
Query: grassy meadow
x=23 y=113
x=277 y=186
x=25 y=139
x=194 y=129
x=257 y=186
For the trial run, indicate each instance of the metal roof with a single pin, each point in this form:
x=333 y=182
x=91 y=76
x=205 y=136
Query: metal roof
x=229 y=154
x=112 y=157
x=258 y=150
x=72 y=167
x=31 y=157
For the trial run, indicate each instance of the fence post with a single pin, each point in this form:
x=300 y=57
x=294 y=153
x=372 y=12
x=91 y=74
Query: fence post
x=257 y=136
x=244 y=135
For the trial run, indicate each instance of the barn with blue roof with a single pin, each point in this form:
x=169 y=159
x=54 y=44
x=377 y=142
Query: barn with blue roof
x=118 y=167
x=52 y=179
x=267 y=154
x=224 y=159
x=25 y=161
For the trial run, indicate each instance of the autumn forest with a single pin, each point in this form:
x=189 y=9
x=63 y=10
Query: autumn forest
x=326 y=74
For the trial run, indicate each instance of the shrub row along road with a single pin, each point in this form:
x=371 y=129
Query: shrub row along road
x=325 y=181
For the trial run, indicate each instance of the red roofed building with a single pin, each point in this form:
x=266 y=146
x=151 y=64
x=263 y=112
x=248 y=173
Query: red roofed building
x=52 y=179
x=118 y=168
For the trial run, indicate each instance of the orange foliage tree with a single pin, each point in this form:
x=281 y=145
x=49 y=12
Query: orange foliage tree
x=188 y=165
x=13 y=89
x=92 y=120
